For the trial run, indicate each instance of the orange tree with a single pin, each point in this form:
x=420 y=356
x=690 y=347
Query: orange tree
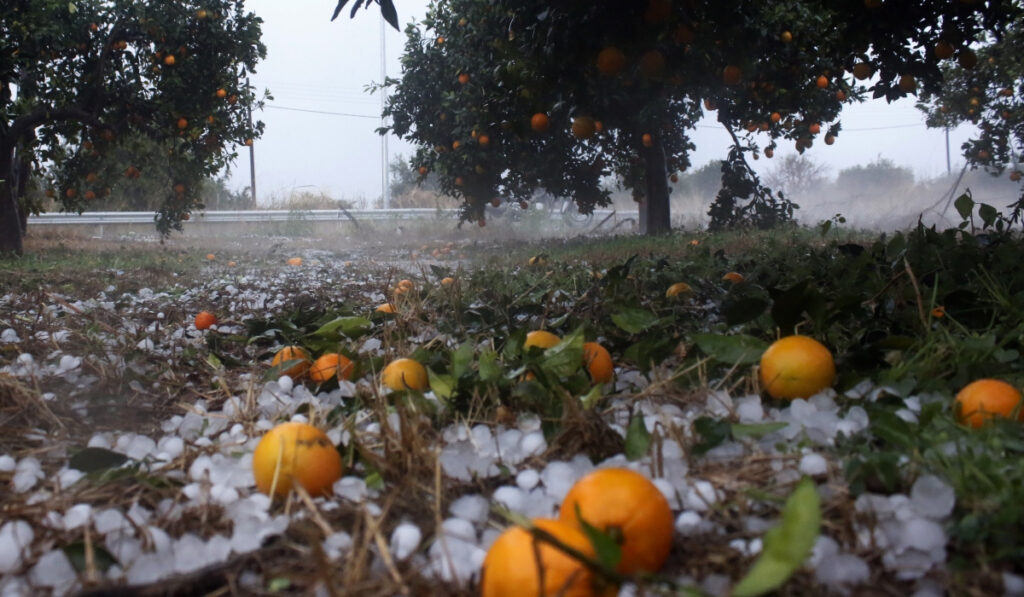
x=987 y=89
x=507 y=97
x=82 y=83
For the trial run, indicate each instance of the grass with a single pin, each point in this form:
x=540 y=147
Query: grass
x=869 y=298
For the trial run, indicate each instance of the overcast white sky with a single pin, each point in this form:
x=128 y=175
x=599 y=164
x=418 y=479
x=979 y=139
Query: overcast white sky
x=320 y=126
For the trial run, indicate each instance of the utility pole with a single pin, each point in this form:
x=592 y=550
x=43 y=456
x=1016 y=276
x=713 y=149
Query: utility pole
x=252 y=151
x=385 y=187
x=949 y=169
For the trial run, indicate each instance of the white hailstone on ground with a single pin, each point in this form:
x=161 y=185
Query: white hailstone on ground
x=27 y=473
x=77 y=516
x=285 y=384
x=111 y=519
x=509 y=441
x=1013 y=585
x=169 y=447
x=68 y=363
x=454 y=559
x=9 y=336
x=842 y=571
x=669 y=491
x=532 y=444
x=66 y=477
x=145 y=344
x=700 y=496
x=53 y=570
x=351 y=488
x=189 y=554
x=718 y=403
x=923 y=534
x=473 y=508
x=513 y=498
x=404 y=540
x=750 y=409
x=558 y=477
x=527 y=479
x=134 y=446
x=7 y=463
x=813 y=464
x=147 y=568
x=932 y=497
x=16 y=537
x=337 y=544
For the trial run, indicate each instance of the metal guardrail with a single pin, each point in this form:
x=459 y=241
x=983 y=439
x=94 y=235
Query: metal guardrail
x=272 y=215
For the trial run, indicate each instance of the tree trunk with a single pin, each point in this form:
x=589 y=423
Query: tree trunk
x=23 y=172
x=10 y=219
x=655 y=213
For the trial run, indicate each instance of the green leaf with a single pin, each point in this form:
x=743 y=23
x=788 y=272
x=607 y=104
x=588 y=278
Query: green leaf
x=213 y=361
x=90 y=460
x=638 y=439
x=712 y=433
x=564 y=358
x=964 y=205
x=733 y=349
x=634 y=321
x=755 y=430
x=743 y=310
x=347 y=327
x=462 y=357
x=605 y=546
x=488 y=366
x=75 y=553
x=374 y=481
x=441 y=385
x=988 y=214
x=276 y=585
x=279 y=369
x=592 y=396
x=787 y=545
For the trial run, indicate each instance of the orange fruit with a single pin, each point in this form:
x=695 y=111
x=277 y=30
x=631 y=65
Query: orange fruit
x=169 y=60
x=295 y=454
x=814 y=128
x=519 y=565
x=630 y=508
x=89 y=195
x=182 y=123
x=232 y=263
x=483 y=140
x=541 y=339
x=775 y=117
x=222 y=93
x=385 y=308
x=456 y=144
x=70 y=193
x=967 y=59
x=205 y=319
x=179 y=188
x=862 y=70
x=769 y=152
x=598 y=362
x=540 y=122
x=984 y=399
x=330 y=365
x=841 y=95
x=294 y=261
x=658 y=11
x=463 y=78
x=447 y=281
x=652 y=63
x=943 y=50
x=734 y=277
x=458 y=181
x=821 y=82
x=405 y=374
x=583 y=127
x=731 y=75
x=678 y=288
x=291 y=353
x=611 y=61
x=647 y=140
x=406 y=284
x=211 y=257
x=830 y=139
x=796 y=367
x=786 y=37
x=907 y=83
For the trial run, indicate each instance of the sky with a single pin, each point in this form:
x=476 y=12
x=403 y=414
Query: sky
x=320 y=127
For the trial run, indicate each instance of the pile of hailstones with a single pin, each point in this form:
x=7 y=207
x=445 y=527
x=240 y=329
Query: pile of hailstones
x=907 y=529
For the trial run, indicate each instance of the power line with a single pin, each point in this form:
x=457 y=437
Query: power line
x=290 y=109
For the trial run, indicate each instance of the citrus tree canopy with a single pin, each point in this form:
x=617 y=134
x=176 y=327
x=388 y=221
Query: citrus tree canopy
x=89 y=88
x=507 y=97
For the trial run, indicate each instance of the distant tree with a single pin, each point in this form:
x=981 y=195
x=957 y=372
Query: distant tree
x=83 y=83
x=880 y=175
x=405 y=179
x=796 y=175
x=702 y=182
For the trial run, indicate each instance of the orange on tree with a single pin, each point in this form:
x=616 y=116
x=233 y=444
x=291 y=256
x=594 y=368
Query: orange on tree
x=540 y=122
x=775 y=117
x=89 y=195
x=483 y=140
x=734 y=277
x=985 y=399
x=631 y=509
x=796 y=367
x=463 y=78
x=611 y=61
x=583 y=127
x=295 y=454
x=292 y=353
x=943 y=50
x=205 y=319
x=652 y=63
x=169 y=60
x=907 y=83
x=647 y=140
x=598 y=362
x=329 y=366
x=520 y=565
x=540 y=339
x=182 y=123
x=786 y=37
x=821 y=82
x=814 y=128
x=732 y=75
x=862 y=70
x=405 y=374
x=830 y=139
x=222 y=93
